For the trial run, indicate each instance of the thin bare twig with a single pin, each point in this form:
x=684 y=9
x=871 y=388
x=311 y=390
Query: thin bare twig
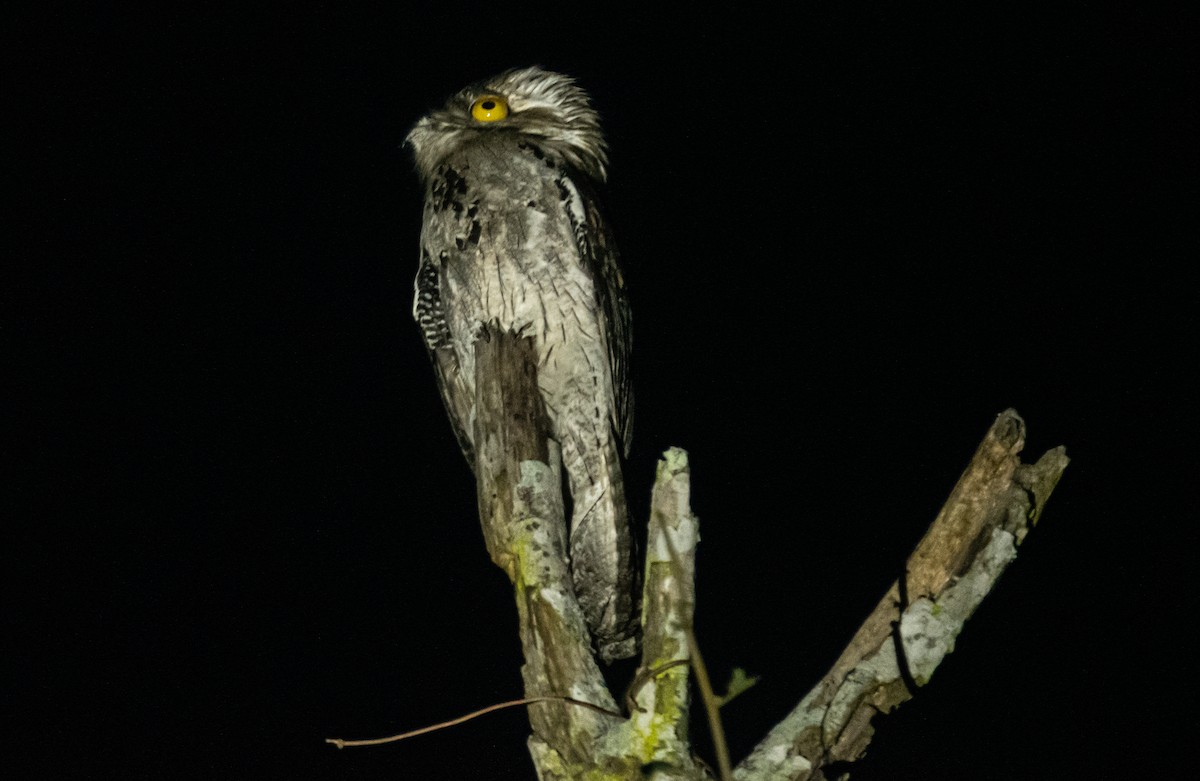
x=644 y=677
x=340 y=743
x=711 y=707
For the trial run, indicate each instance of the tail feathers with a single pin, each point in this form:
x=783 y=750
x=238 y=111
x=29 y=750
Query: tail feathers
x=602 y=567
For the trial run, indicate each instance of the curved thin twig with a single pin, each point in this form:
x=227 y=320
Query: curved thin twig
x=711 y=709
x=642 y=678
x=340 y=743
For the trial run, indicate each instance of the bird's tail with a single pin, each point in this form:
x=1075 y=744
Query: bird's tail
x=602 y=560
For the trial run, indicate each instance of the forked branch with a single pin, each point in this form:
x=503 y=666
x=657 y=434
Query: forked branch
x=954 y=566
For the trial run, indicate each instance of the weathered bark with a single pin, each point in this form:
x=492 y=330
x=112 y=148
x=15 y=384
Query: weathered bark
x=521 y=509
x=951 y=570
x=973 y=539
x=520 y=506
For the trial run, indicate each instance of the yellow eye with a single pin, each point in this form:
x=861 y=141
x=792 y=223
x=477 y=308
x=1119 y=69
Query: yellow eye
x=489 y=108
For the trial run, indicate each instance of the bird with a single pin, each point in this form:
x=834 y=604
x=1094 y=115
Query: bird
x=513 y=233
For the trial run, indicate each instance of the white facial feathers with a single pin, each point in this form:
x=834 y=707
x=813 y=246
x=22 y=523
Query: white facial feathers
x=548 y=108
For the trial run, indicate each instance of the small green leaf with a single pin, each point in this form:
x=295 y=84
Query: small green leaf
x=738 y=683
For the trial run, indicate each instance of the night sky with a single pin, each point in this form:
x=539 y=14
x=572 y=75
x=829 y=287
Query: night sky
x=852 y=237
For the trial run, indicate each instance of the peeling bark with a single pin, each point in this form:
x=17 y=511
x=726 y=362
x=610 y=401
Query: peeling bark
x=954 y=566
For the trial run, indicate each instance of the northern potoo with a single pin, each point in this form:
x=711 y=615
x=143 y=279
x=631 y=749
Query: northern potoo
x=513 y=233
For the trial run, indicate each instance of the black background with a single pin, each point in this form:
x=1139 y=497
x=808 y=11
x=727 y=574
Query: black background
x=852 y=237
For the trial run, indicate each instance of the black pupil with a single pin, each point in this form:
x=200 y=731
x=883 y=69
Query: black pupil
x=488 y=105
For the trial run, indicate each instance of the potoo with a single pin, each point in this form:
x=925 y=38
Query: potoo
x=513 y=234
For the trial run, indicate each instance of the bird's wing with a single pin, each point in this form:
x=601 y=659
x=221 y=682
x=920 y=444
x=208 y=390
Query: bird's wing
x=599 y=252
x=427 y=309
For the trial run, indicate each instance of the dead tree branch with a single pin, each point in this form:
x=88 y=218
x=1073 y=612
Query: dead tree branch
x=521 y=509
x=900 y=644
x=972 y=540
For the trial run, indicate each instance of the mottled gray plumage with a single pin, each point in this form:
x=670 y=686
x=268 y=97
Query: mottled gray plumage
x=512 y=233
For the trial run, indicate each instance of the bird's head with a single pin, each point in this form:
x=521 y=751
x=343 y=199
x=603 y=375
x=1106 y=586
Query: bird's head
x=548 y=108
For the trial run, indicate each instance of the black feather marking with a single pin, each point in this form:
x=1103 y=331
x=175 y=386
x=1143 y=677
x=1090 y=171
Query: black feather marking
x=428 y=309
x=445 y=188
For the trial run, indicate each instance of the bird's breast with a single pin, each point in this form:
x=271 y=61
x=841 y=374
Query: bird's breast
x=507 y=246
x=509 y=256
